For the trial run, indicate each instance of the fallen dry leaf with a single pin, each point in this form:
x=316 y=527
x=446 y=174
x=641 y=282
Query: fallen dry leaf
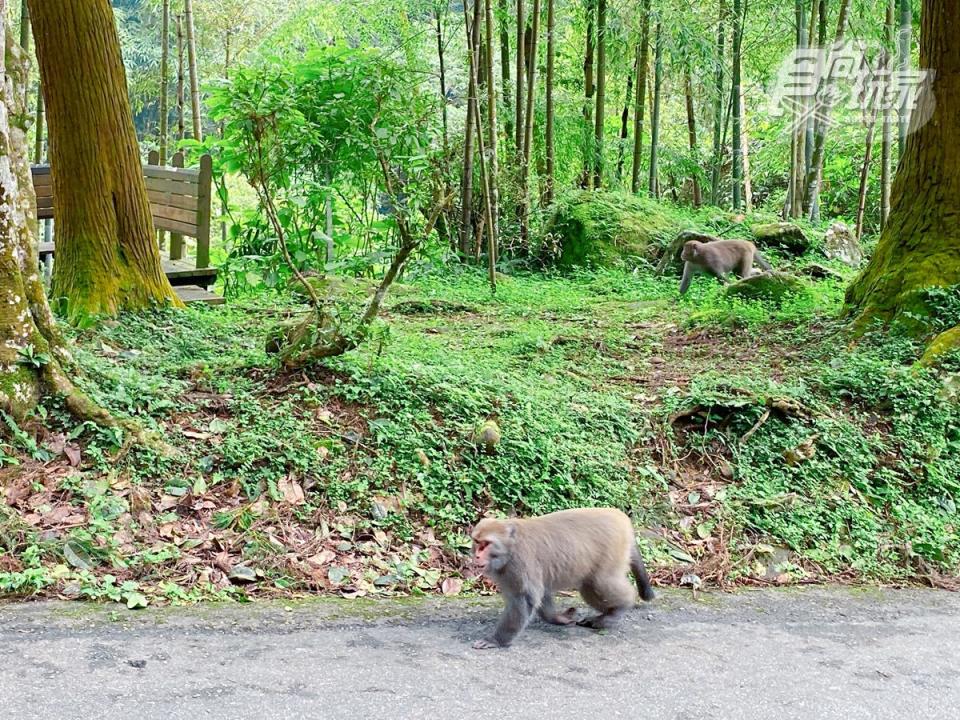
x=291 y=490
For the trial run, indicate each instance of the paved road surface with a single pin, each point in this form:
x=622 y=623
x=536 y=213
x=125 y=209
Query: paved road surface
x=812 y=655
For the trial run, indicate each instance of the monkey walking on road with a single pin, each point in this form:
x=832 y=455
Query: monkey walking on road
x=719 y=258
x=590 y=550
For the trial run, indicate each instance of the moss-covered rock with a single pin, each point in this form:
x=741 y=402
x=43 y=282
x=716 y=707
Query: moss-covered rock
x=773 y=287
x=785 y=236
x=946 y=343
x=601 y=229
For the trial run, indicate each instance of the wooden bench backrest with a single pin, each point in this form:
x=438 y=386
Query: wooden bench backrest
x=179 y=199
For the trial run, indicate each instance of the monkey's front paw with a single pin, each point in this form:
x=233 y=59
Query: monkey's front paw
x=486 y=644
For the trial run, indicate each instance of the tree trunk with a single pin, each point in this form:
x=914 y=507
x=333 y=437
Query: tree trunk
x=737 y=170
x=194 y=80
x=692 y=136
x=107 y=258
x=443 y=85
x=920 y=246
x=811 y=198
x=717 y=164
x=745 y=150
x=33 y=354
x=903 y=65
x=625 y=120
x=493 y=169
x=600 y=113
x=655 y=114
x=164 y=70
x=518 y=115
x=505 y=68
x=181 y=90
x=466 y=182
x=790 y=204
x=865 y=174
x=588 y=90
x=38 y=129
x=531 y=50
x=640 y=87
x=886 y=141
x=549 y=119
x=817 y=24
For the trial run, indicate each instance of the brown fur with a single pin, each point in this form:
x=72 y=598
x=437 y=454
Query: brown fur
x=590 y=550
x=719 y=258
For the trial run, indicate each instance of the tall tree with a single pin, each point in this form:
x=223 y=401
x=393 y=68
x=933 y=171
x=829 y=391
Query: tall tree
x=886 y=141
x=505 y=67
x=472 y=121
x=589 y=88
x=521 y=74
x=655 y=114
x=531 y=50
x=790 y=206
x=27 y=327
x=181 y=83
x=625 y=120
x=640 y=87
x=735 y=95
x=493 y=169
x=903 y=66
x=107 y=257
x=600 y=112
x=692 y=135
x=194 y=80
x=549 y=118
x=164 y=71
x=920 y=246
x=718 y=123
x=811 y=196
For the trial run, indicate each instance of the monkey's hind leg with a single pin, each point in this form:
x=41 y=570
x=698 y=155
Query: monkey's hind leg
x=611 y=597
x=548 y=612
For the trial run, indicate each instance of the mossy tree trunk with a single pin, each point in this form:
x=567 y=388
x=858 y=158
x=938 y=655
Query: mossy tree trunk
x=920 y=245
x=33 y=354
x=107 y=257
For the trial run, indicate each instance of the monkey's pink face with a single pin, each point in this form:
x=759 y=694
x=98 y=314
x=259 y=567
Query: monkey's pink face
x=491 y=545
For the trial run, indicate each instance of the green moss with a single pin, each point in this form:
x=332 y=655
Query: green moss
x=773 y=287
x=786 y=236
x=600 y=229
x=946 y=343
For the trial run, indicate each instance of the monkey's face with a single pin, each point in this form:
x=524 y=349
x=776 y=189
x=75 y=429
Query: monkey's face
x=492 y=541
x=690 y=251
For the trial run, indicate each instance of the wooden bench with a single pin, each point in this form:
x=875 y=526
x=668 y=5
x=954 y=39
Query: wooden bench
x=180 y=204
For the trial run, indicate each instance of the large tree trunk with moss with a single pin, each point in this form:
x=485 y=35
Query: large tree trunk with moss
x=107 y=257
x=920 y=245
x=32 y=352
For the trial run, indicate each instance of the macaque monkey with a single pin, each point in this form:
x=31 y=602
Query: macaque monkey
x=719 y=258
x=590 y=550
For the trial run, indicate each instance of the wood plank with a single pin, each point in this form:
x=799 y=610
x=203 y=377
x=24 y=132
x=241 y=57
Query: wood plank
x=40 y=170
x=171 y=186
x=196 y=294
x=175 y=226
x=186 y=202
x=180 y=175
x=44 y=201
x=173 y=213
x=46 y=248
x=43 y=181
x=45 y=213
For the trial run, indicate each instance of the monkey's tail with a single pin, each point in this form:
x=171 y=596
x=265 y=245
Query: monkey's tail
x=639 y=571
x=762 y=262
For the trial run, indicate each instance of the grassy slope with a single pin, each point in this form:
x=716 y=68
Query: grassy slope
x=748 y=440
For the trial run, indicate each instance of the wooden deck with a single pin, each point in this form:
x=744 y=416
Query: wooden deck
x=196 y=294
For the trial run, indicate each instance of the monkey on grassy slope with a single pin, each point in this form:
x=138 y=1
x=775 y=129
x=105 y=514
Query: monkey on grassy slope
x=590 y=550
x=719 y=258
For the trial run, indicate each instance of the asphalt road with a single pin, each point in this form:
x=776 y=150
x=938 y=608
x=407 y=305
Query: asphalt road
x=811 y=654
